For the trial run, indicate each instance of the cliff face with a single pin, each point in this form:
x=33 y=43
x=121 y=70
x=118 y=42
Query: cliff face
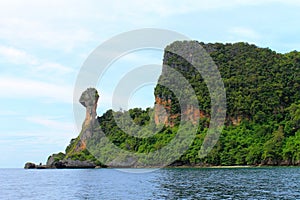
x=163 y=113
x=162 y=110
x=169 y=110
x=255 y=79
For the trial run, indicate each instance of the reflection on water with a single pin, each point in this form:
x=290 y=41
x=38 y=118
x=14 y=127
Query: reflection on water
x=247 y=183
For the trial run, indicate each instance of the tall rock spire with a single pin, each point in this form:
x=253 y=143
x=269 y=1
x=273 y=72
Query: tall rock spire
x=89 y=100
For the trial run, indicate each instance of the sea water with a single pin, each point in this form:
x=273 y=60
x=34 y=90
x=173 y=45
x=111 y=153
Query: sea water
x=183 y=183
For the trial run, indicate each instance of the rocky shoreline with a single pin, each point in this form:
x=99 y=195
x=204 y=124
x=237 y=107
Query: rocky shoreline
x=77 y=164
x=62 y=164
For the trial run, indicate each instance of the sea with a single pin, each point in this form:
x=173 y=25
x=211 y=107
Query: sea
x=170 y=183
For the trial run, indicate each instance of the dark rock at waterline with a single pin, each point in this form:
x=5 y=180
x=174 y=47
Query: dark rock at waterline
x=30 y=165
x=62 y=164
x=68 y=163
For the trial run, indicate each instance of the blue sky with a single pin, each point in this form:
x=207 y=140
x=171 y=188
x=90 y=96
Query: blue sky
x=43 y=45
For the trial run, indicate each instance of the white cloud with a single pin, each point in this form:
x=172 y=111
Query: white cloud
x=37 y=136
x=33 y=65
x=52 y=124
x=242 y=33
x=43 y=137
x=42 y=33
x=65 y=25
x=109 y=11
x=170 y=7
x=11 y=87
x=16 y=56
x=112 y=10
x=51 y=67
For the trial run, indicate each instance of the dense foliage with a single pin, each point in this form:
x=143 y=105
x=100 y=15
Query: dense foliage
x=263 y=109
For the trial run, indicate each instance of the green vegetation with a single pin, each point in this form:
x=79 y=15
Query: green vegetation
x=263 y=110
x=58 y=156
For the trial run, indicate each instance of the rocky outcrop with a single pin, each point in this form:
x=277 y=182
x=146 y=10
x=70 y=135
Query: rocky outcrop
x=61 y=164
x=51 y=160
x=74 y=164
x=55 y=157
x=89 y=100
x=29 y=165
x=59 y=161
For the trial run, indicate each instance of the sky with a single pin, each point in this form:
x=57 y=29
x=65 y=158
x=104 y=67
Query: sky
x=43 y=45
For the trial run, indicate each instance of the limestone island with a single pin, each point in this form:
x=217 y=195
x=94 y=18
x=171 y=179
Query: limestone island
x=261 y=127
